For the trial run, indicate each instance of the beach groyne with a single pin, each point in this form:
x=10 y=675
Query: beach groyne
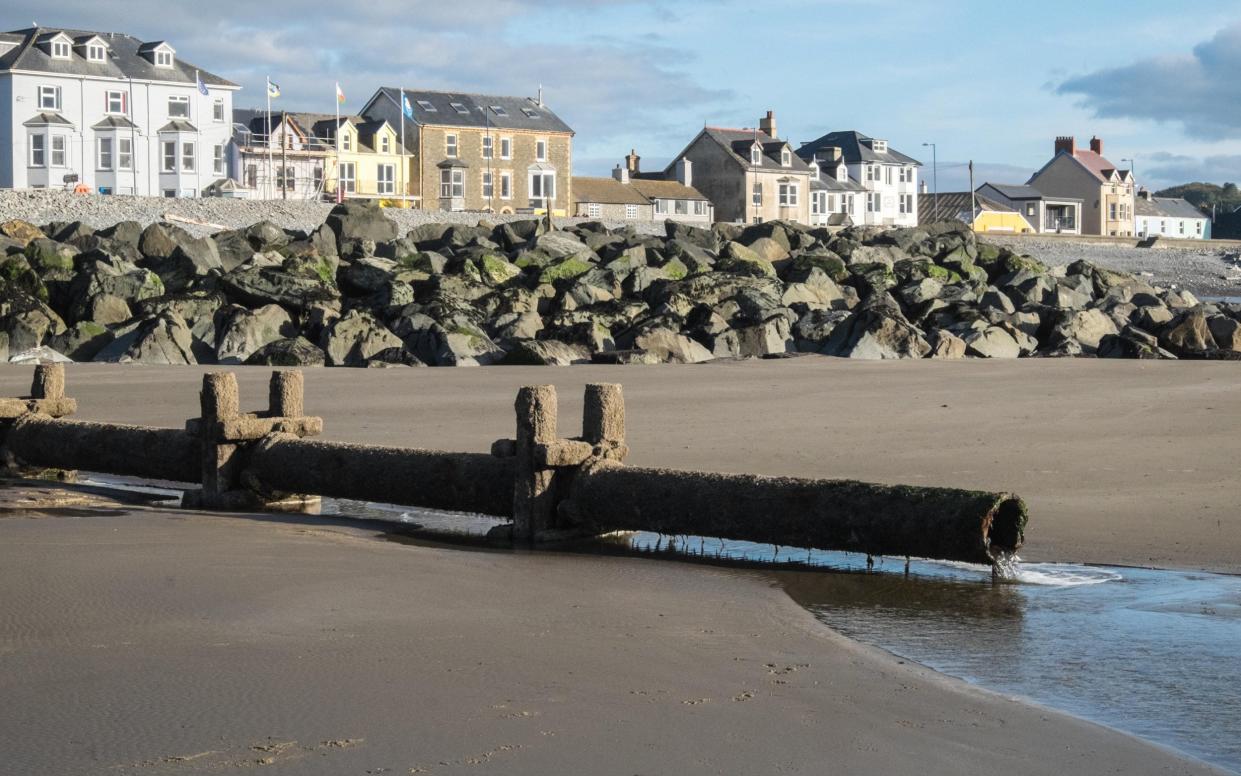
x=551 y=487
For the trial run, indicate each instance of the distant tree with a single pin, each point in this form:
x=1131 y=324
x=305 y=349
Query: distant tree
x=1230 y=189
x=1206 y=195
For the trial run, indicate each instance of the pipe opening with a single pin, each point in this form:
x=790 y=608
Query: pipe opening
x=1007 y=530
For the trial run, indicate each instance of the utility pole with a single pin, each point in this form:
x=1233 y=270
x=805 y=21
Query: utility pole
x=284 y=158
x=935 y=173
x=973 y=200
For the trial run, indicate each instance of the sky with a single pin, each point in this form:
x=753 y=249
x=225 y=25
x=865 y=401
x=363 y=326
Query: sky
x=987 y=81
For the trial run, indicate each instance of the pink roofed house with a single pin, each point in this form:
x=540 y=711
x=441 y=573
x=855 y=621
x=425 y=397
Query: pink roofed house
x=1106 y=191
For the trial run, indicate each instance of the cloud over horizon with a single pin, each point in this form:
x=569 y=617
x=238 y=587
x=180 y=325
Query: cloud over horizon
x=1201 y=90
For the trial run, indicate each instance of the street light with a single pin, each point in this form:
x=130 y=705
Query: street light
x=934 y=173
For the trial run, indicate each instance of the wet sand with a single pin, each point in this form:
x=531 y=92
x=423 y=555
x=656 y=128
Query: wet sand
x=152 y=642
x=1122 y=462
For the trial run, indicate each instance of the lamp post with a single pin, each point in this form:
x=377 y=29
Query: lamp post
x=934 y=173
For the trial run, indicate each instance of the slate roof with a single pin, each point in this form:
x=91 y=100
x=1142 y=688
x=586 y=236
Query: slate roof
x=43 y=119
x=1015 y=191
x=665 y=189
x=124 y=60
x=113 y=122
x=952 y=204
x=178 y=125
x=606 y=191
x=739 y=141
x=515 y=115
x=854 y=149
x=1166 y=207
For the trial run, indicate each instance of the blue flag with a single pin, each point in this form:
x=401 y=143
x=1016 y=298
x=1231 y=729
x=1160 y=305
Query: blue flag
x=405 y=106
x=202 y=87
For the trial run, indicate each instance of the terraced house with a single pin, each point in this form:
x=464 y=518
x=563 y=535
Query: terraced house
x=108 y=113
x=882 y=181
x=481 y=152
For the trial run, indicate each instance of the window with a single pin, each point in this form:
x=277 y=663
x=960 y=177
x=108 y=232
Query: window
x=348 y=177
x=540 y=150
x=499 y=110
x=49 y=98
x=594 y=210
x=60 y=151
x=680 y=207
x=786 y=158
x=38 y=150
x=631 y=211
x=386 y=179
x=170 y=156
x=1113 y=211
x=217 y=160
x=60 y=49
x=105 y=153
x=788 y=195
x=543 y=185
x=178 y=107
x=217 y=111
x=506 y=185
x=906 y=175
x=907 y=203
x=661 y=206
x=163 y=59
x=874 y=202
x=1030 y=207
x=880 y=146
x=756 y=198
x=124 y=154
x=450 y=146
x=887 y=175
x=385 y=145
x=830 y=207
x=847 y=204
x=346 y=141
x=116 y=103
x=459 y=108
x=95 y=52
x=756 y=154
x=816 y=206
x=489 y=189
x=452 y=183
x=1182 y=227
x=530 y=113
x=170 y=193
x=187 y=157
x=487 y=146
x=286 y=178
x=316 y=178
x=700 y=208
x=427 y=106
x=506 y=148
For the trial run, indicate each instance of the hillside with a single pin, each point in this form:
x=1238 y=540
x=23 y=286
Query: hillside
x=1204 y=195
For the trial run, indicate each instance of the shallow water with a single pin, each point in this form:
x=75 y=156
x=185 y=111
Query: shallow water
x=1153 y=653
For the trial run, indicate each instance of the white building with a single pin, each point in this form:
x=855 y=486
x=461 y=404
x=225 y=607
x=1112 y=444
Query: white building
x=1168 y=217
x=888 y=178
x=110 y=114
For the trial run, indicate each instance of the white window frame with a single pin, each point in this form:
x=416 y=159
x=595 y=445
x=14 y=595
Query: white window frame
x=346 y=142
x=542 y=177
x=183 y=102
x=906 y=204
x=385 y=144
x=631 y=211
x=217 y=111
x=168 y=162
x=788 y=194
x=115 y=102
x=347 y=177
x=506 y=185
x=661 y=206
x=594 y=210
x=49 y=98
x=700 y=207
x=786 y=158
x=63 y=151
x=163 y=58
x=95 y=52
x=756 y=155
x=451 y=148
x=887 y=175
x=488 y=185
x=38 y=150
x=217 y=159
x=286 y=178
x=488 y=147
x=540 y=149
x=452 y=183
x=105 y=150
x=506 y=148
x=189 y=160
x=124 y=153
x=756 y=194
x=61 y=49
x=385 y=179
x=874 y=202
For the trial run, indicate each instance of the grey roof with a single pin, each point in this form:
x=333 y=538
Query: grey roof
x=1166 y=207
x=178 y=125
x=739 y=141
x=854 y=147
x=514 y=113
x=124 y=58
x=949 y=205
x=113 y=122
x=43 y=119
x=1015 y=191
x=830 y=183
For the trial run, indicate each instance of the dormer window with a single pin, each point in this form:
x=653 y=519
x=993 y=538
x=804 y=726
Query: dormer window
x=879 y=146
x=163 y=59
x=842 y=173
x=384 y=146
x=61 y=49
x=814 y=171
x=756 y=154
x=786 y=158
x=95 y=52
x=346 y=142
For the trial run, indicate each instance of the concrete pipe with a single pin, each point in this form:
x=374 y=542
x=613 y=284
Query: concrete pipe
x=110 y=448
x=898 y=520
x=461 y=482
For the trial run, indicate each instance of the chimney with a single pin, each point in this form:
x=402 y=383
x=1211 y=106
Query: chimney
x=621 y=173
x=632 y=161
x=1145 y=194
x=1068 y=144
x=1096 y=145
x=768 y=123
x=923 y=188
x=685 y=172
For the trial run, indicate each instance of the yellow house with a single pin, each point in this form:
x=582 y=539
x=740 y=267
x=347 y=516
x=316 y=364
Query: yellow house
x=987 y=215
x=364 y=158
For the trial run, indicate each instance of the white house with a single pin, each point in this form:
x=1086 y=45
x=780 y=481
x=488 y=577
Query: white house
x=1169 y=217
x=888 y=178
x=110 y=114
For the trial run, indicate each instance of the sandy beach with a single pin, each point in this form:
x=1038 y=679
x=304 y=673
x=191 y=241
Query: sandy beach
x=144 y=641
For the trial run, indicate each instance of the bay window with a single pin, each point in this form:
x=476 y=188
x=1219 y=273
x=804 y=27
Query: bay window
x=105 y=153
x=452 y=183
x=60 y=151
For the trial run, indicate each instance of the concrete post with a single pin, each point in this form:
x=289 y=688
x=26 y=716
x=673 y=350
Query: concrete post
x=534 y=505
x=220 y=399
x=286 y=394
x=603 y=420
x=49 y=382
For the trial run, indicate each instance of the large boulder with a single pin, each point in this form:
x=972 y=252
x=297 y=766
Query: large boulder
x=355 y=338
x=82 y=341
x=546 y=353
x=877 y=331
x=258 y=286
x=165 y=339
x=246 y=331
x=992 y=342
x=670 y=347
x=357 y=223
x=160 y=240
x=21 y=232
x=1226 y=332
x=1188 y=333
x=48 y=256
x=292 y=351
x=1079 y=331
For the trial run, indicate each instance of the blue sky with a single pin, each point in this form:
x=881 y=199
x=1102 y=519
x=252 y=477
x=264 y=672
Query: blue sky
x=984 y=80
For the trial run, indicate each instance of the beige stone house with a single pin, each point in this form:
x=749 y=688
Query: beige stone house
x=749 y=175
x=630 y=195
x=481 y=152
x=1106 y=191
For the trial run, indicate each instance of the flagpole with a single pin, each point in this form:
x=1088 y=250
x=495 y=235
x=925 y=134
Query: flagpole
x=268 y=179
x=402 y=108
x=198 y=134
x=340 y=190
